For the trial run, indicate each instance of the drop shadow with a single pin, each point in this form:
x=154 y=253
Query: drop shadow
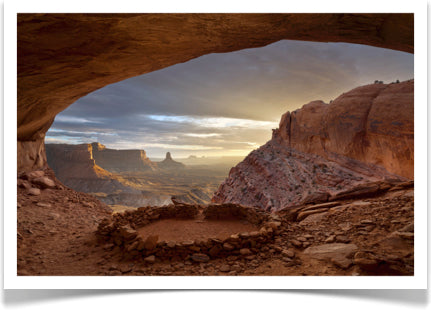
x=397 y=296
x=25 y=296
x=408 y=297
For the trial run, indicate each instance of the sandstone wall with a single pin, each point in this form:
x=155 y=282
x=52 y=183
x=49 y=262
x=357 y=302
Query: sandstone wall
x=76 y=168
x=373 y=124
x=121 y=160
x=62 y=57
x=360 y=144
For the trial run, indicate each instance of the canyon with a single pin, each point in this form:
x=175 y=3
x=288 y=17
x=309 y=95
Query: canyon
x=325 y=210
x=360 y=143
x=335 y=181
x=127 y=179
x=62 y=57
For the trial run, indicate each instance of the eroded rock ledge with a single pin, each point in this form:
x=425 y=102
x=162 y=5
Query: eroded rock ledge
x=362 y=142
x=62 y=57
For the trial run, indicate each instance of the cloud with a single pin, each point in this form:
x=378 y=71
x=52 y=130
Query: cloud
x=229 y=101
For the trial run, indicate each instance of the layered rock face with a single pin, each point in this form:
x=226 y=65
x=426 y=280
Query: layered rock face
x=373 y=124
x=360 y=143
x=75 y=166
x=168 y=163
x=121 y=160
x=62 y=57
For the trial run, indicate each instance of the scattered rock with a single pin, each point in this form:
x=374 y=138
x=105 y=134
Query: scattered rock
x=53 y=216
x=288 y=253
x=296 y=243
x=342 y=239
x=171 y=244
x=224 y=268
x=314 y=218
x=322 y=206
x=187 y=243
x=44 y=182
x=127 y=232
x=151 y=242
x=35 y=174
x=245 y=251
x=366 y=261
x=341 y=262
x=34 y=191
x=228 y=247
x=126 y=268
x=274 y=225
x=108 y=246
x=330 y=239
x=409 y=228
x=150 y=259
x=405 y=235
x=43 y=205
x=23 y=184
x=200 y=258
x=303 y=215
x=328 y=251
x=215 y=250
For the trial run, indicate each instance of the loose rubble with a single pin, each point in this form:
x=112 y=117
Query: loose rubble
x=57 y=236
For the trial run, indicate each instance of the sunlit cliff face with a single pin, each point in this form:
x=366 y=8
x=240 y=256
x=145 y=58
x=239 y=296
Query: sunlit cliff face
x=223 y=104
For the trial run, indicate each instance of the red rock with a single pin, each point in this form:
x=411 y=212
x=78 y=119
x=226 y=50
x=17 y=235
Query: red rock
x=228 y=246
x=35 y=174
x=151 y=242
x=303 y=215
x=44 y=182
x=34 y=191
x=329 y=251
x=127 y=232
x=150 y=259
x=224 y=268
x=122 y=46
x=120 y=160
x=75 y=167
x=330 y=151
x=245 y=251
x=288 y=253
x=372 y=124
x=200 y=258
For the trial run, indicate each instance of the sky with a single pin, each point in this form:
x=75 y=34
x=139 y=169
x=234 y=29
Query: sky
x=223 y=104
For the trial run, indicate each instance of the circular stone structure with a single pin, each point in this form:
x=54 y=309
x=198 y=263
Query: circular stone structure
x=183 y=231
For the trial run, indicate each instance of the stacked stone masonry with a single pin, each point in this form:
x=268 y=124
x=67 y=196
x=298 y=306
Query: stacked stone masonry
x=121 y=231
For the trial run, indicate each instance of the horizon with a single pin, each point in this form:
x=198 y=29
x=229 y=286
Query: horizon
x=223 y=104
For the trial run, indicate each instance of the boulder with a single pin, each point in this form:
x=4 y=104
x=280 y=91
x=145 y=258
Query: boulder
x=200 y=258
x=150 y=259
x=34 y=191
x=330 y=251
x=127 y=232
x=44 y=182
x=150 y=242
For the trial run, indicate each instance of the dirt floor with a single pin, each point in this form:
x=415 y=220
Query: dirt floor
x=56 y=237
x=184 y=230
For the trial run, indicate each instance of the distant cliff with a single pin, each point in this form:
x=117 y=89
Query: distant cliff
x=75 y=166
x=360 y=143
x=121 y=160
